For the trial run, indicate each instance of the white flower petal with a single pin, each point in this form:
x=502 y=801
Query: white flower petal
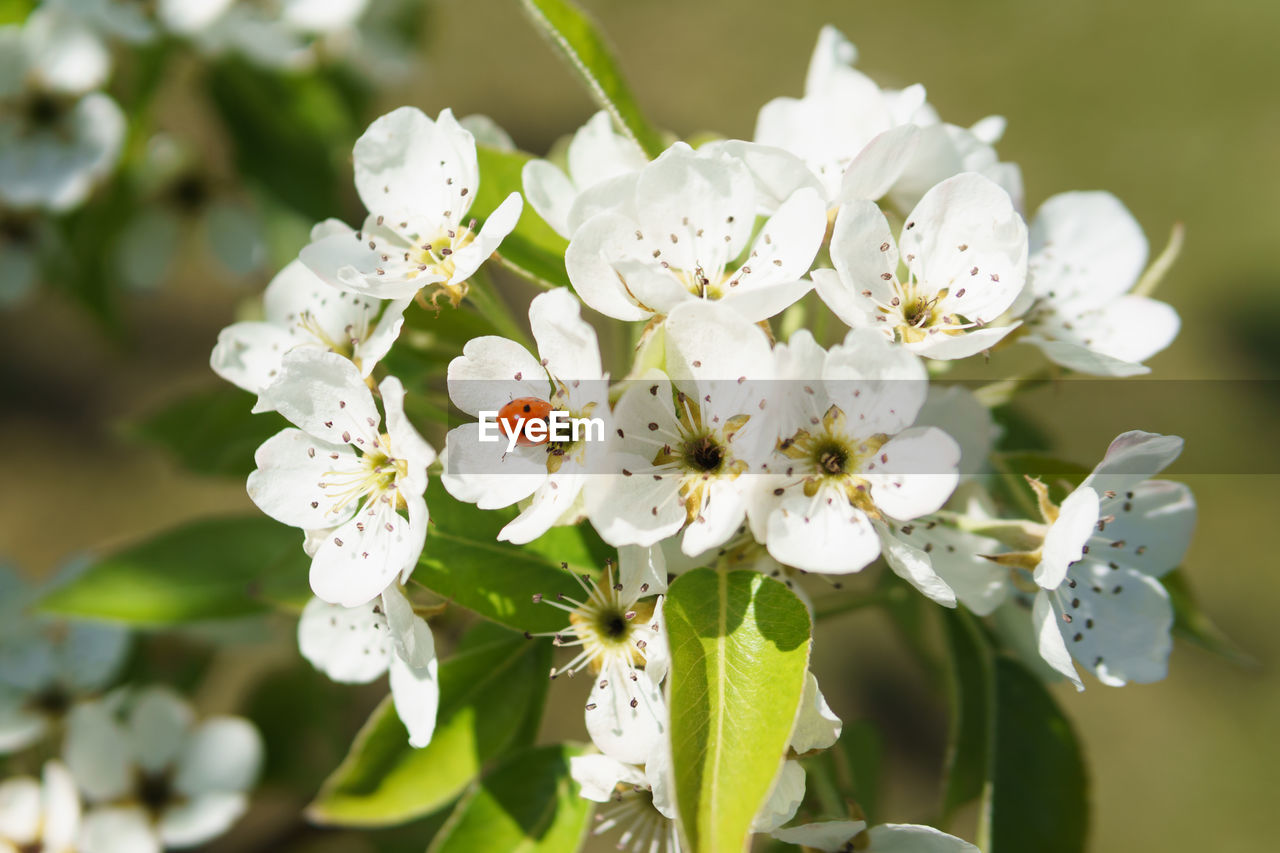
x=567 y=344
x=496 y=227
x=1066 y=538
x=625 y=733
x=598 y=776
x=597 y=244
x=61 y=803
x=324 y=394
x=597 y=152
x=349 y=644
x=910 y=838
x=20 y=810
x=784 y=798
x=222 y=755
x=405 y=442
x=829 y=836
x=962 y=224
x=817 y=726
x=863 y=252
x=159 y=722
x=290 y=481
x=118 y=829
x=724 y=511
x=817 y=536
x=912 y=564
x=248 y=354
x=363 y=557
x=1049 y=641
x=879 y=165
x=200 y=819
x=407 y=165
x=485 y=474
x=550 y=192
x=880 y=387
x=1086 y=249
x=1120 y=623
x=1132 y=457
x=957 y=558
x=914 y=473
x=98 y=752
x=1153 y=523
x=778 y=174
x=491 y=372
x=415 y=692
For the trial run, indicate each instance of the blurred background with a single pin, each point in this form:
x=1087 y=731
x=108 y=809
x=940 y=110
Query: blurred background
x=1172 y=106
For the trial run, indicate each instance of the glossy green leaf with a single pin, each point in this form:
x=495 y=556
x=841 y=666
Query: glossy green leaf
x=211 y=432
x=578 y=41
x=489 y=691
x=528 y=804
x=465 y=563
x=1038 y=789
x=1194 y=625
x=739 y=653
x=210 y=569
x=970 y=686
x=533 y=250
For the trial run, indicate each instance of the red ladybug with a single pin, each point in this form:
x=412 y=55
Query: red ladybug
x=523 y=409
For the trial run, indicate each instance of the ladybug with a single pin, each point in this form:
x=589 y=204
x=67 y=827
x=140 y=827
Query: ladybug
x=512 y=415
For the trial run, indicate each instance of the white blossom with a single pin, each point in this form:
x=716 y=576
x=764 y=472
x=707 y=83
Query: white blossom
x=674 y=232
x=1087 y=253
x=566 y=376
x=338 y=473
x=46 y=665
x=688 y=438
x=596 y=155
x=965 y=253
x=59 y=137
x=355 y=645
x=40 y=816
x=152 y=777
x=851 y=464
x=417 y=178
x=1097 y=568
x=300 y=310
x=835 y=836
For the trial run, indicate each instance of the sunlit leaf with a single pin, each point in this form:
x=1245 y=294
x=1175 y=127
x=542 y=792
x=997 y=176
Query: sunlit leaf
x=210 y=569
x=739 y=653
x=528 y=804
x=464 y=562
x=489 y=693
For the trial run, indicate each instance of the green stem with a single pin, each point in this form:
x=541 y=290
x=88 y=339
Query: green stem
x=486 y=299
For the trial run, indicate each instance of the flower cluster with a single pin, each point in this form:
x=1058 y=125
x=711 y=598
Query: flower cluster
x=723 y=444
x=136 y=772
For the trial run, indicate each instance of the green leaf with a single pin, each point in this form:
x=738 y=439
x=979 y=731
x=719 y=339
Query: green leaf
x=970 y=688
x=285 y=132
x=533 y=250
x=464 y=562
x=1038 y=791
x=739 y=653
x=211 y=432
x=577 y=40
x=488 y=693
x=1194 y=625
x=211 y=569
x=526 y=805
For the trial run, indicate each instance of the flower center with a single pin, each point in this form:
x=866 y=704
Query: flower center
x=155 y=791
x=375 y=477
x=611 y=625
x=703 y=453
x=435 y=256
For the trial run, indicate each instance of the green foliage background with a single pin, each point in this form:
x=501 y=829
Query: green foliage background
x=1173 y=106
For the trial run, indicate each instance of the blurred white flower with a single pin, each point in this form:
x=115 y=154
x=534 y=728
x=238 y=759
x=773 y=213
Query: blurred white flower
x=58 y=137
x=567 y=376
x=152 y=777
x=676 y=231
x=45 y=664
x=417 y=178
x=1087 y=253
x=300 y=310
x=40 y=817
x=355 y=645
x=965 y=250
x=357 y=491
